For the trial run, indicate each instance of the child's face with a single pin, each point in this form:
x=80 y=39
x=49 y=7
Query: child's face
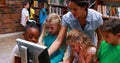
x=74 y=46
x=27 y=5
x=41 y=5
x=53 y=28
x=32 y=34
x=110 y=38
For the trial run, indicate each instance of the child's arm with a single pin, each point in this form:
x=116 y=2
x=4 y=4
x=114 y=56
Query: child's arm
x=96 y=60
x=59 y=40
x=90 y=55
x=69 y=60
x=17 y=59
x=16 y=55
x=81 y=57
x=27 y=18
x=89 y=58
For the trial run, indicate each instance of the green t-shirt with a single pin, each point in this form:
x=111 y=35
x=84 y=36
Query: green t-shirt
x=109 y=53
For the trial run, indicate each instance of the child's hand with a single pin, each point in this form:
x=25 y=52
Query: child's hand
x=77 y=48
x=82 y=54
x=96 y=60
x=81 y=51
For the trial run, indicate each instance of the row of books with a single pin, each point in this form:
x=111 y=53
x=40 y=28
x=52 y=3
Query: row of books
x=57 y=2
x=57 y=10
x=109 y=11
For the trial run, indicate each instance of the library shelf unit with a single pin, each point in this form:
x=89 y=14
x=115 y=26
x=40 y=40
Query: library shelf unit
x=109 y=8
x=57 y=6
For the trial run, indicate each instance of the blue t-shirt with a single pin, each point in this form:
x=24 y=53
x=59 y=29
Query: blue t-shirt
x=57 y=56
x=43 y=15
x=93 y=21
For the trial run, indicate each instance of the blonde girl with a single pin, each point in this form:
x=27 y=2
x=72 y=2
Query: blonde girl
x=50 y=30
x=82 y=49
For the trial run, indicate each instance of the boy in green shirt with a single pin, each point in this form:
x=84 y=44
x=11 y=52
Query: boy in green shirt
x=109 y=51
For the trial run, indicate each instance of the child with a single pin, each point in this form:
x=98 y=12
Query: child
x=31 y=33
x=48 y=35
x=25 y=14
x=109 y=50
x=82 y=49
x=32 y=11
x=42 y=14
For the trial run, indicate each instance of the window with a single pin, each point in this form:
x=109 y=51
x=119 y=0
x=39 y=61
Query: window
x=2 y=3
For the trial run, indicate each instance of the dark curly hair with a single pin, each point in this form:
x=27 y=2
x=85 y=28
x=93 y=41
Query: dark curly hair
x=111 y=25
x=81 y=3
x=32 y=25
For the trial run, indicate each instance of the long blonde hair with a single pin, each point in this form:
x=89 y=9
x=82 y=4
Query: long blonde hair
x=77 y=36
x=51 y=18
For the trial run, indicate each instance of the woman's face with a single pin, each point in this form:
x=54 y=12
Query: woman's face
x=32 y=34
x=76 y=10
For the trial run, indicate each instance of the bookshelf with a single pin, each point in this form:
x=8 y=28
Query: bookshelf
x=109 y=8
x=57 y=6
